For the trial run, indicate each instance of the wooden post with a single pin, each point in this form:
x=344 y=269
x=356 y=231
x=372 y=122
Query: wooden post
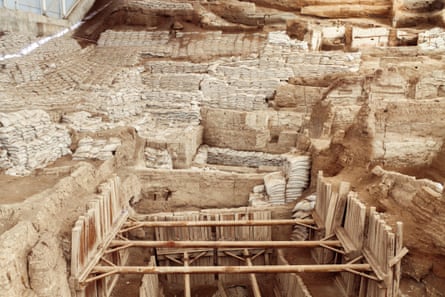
x=397 y=267
x=187 y=289
x=253 y=280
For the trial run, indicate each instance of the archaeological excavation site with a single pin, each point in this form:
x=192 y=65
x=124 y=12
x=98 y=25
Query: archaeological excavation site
x=222 y=148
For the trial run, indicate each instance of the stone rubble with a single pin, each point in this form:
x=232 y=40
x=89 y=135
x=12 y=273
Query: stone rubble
x=31 y=140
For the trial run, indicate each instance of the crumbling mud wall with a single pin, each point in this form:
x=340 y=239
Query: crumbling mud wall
x=195 y=188
x=379 y=108
x=34 y=252
x=419 y=203
x=14 y=248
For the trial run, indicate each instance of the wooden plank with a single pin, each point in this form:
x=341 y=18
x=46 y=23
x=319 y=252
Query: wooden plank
x=76 y=234
x=319 y=209
x=329 y=220
x=83 y=253
x=325 y=198
x=355 y=220
x=374 y=264
x=343 y=191
x=397 y=267
x=351 y=251
x=100 y=251
x=92 y=236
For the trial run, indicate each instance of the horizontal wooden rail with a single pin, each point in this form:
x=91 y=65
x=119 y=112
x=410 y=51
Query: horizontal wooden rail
x=133 y=225
x=222 y=244
x=230 y=269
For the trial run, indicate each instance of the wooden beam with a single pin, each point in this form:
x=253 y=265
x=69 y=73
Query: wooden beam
x=362 y=274
x=253 y=280
x=187 y=288
x=134 y=225
x=258 y=254
x=230 y=269
x=173 y=259
x=224 y=244
x=398 y=257
x=195 y=258
x=234 y=256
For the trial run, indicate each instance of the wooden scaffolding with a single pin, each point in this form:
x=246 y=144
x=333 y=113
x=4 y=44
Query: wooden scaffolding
x=192 y=247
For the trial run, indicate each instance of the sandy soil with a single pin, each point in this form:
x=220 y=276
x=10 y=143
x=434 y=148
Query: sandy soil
x=14 y=189
x=320 y=284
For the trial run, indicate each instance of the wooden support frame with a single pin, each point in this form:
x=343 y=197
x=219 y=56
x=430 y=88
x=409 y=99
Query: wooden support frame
x=140 y=224
x=104 y=271
x=223 y=244
x=339 y=222
x=101 y=249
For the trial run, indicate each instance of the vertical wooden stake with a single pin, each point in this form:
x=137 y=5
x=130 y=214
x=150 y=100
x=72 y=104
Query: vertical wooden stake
x=397 y=267
x=187 y=289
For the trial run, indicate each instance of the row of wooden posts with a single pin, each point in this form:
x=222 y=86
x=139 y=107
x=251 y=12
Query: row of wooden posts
x=207 y=255
x=363 y=233
x=92 y=233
